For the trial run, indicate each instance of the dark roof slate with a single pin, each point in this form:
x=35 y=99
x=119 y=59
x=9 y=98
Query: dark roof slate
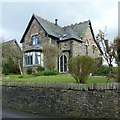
x=72 y=32
x=50 y=28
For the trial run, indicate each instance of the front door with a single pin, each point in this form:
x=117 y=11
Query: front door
x=63 y=63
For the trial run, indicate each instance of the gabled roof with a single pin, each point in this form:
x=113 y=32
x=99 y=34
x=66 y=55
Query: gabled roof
x=72 y=32
x=75 y=31
x=11 y=42
x=49 y=27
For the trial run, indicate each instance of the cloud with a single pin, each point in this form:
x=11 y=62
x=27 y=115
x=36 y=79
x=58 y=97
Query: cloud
x=110 y=19
x=101 y=13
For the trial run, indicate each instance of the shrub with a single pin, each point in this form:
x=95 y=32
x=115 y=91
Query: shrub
x=97 y=65
x=50 y=72
x=9 y=67
x=40 y=68
x=103 y=71
x=6 y=68
x=50 y=56
x=80 y=67
x=39 y=73
x=113 y=74
x=29 y=70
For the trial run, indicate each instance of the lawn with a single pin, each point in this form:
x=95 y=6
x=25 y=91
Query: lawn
x=55 y=78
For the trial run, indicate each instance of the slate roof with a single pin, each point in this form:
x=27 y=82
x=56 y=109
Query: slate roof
x=71 y=32
x=75 y=31
x=49 y=27
x=11 y=42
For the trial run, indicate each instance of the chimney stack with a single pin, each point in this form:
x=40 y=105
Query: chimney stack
x=56 y=21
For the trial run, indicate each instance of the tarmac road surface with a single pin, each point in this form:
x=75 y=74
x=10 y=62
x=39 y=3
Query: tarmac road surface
x=16 y=114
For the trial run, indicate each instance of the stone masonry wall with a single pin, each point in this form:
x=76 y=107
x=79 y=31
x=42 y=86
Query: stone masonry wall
x=66 y=100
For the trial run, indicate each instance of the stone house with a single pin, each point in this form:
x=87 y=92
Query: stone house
x=73 y=40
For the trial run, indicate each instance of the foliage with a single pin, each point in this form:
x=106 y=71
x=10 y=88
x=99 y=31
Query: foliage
x=103 y=71
x=13 y=54
x=80 y=67
x=6 y=68
x=47 y=73
x=117 y=44
x=40 y=68
x=113 y=74
x=39 y=73
x=97 y=65
x=107 y=49
x=9 y=67
x=29 y=70
x=50 y=56
x=50 y=72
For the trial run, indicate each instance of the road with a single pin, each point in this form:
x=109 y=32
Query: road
x=16 y=114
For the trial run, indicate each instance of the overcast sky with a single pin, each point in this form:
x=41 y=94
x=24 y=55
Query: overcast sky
x=102 y=13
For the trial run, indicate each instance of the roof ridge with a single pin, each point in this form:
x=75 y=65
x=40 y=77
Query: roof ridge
x=9 y=41
x=76 y=24
x=47 y=20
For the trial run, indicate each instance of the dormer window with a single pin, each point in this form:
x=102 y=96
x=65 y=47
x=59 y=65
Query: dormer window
x=34 y=39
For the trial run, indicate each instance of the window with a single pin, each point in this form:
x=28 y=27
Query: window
x=86 y=49
x=33 y=58
x=93 y=48
x=28 y=58
x=63 y=63
x=52 y=41
x=34 y=39
x=37 y=58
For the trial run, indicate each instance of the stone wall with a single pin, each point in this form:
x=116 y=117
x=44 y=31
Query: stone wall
x=66 y=100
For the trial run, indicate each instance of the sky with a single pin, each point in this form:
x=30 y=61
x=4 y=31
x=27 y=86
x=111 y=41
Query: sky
x=16 y=15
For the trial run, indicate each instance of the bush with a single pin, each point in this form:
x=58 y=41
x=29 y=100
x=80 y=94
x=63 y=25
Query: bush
x=39 y=73
x=103 y=71
x=6 y=68
x=50 y=72
x=40 y=68
x=80 y=67
x=29 y=70
x=97 y=65
x=9 y=67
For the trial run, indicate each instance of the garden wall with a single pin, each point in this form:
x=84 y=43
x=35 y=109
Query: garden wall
x=66 y=100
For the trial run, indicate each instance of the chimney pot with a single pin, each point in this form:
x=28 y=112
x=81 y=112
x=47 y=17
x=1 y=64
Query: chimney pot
x=56 y=21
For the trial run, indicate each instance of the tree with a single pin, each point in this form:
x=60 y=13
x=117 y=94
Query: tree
x=117 y=45
x=110 y=51
x=13 y=54
x=50 y=56
x=107 y=48
x=80 y=67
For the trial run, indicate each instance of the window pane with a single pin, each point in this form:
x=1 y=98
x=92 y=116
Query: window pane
x=65 y=63
x=61 y=63
x=28 y=58
x=37 y=58
x=86 y=49
x=35 y=40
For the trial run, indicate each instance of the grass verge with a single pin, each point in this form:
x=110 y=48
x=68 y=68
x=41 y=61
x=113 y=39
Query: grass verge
x=54 y=78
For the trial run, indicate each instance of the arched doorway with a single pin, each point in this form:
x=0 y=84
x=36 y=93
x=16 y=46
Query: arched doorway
x=63 y=63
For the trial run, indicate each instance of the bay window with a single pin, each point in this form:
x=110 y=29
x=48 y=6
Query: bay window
x=37 y=58
x=28 y=58
x=32 y=58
